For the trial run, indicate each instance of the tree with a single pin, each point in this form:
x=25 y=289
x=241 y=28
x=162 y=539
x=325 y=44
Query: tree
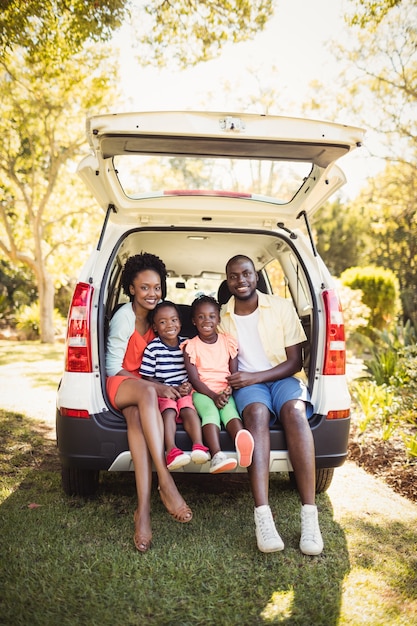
x=51 y=76
x=368 y=13
x=392 y=230
x=380 y=84
x=341 y=235
x=186 y=32
x=385 y=91
x=42 y=131
x=179 y=31
x=40 y=26
x=378 y=90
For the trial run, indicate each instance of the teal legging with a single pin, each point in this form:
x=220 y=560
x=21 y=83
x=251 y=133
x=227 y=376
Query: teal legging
x=210 y=414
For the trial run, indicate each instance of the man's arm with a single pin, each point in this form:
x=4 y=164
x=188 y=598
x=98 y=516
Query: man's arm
x=288 y=368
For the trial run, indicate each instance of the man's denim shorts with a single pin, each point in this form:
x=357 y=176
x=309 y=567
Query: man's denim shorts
x=274 y=395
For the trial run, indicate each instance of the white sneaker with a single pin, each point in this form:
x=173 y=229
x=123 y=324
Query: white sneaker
x=221 y=463
x=311 y=541
x=267 y=536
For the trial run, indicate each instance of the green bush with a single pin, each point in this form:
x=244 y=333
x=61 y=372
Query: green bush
x=28 y=321
x=393 y=356
x=380 y=291
x=387 y=397
x=17 y=289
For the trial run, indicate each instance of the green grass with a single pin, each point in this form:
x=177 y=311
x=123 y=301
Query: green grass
x=72 y=561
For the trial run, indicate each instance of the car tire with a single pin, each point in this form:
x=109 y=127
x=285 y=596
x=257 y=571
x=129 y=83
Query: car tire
x=79 y=482
x=324 y=478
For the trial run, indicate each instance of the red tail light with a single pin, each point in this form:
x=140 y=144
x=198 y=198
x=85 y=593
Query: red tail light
x=335 y=351
x=78 y=345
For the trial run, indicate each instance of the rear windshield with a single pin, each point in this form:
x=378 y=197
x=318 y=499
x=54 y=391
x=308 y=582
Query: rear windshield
x=142 y=174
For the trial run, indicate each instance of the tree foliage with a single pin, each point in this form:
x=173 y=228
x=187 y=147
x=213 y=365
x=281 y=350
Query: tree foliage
x=380 y=293
x=52 y=74
x=187 y=32
x=41 y=26
x=392 y=233
x=183 y=32
x=41 y=133
x=378 y=90
x=341 y=233
x=369 y=13
x=380 y=84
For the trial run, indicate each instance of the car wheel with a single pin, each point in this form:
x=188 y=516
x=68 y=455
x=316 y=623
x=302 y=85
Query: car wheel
x=324 y=478
x=79 y=482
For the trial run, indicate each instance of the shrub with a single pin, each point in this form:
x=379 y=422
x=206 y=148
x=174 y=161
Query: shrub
x=355 y=312
x=380 y=293
x=388 y=397
x=28 y=322
x=393 y=356
x=17 y=288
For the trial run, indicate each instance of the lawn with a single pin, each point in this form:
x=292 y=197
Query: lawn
x=72 y=562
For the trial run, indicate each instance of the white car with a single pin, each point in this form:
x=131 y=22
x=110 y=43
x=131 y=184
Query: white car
x=196 y=188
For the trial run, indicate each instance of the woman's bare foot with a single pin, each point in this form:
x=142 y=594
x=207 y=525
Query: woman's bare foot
x=174 y=503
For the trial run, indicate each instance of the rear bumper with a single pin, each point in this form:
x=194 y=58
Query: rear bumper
x=100 y=443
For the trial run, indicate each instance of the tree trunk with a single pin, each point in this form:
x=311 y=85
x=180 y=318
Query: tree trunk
x=46 y=308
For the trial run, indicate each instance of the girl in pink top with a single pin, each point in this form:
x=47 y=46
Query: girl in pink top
x=209 y=359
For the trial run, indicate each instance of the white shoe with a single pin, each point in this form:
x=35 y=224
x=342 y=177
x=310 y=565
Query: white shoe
x=200 y=455
x=267 y=536
x=221 y=463
x=311 y=541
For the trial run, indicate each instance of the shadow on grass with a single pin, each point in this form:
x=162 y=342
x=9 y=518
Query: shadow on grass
x=72 y=561
x=17 y=352
x=25 y=444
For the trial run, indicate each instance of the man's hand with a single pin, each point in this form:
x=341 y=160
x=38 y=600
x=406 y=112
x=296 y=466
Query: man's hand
x=242 y=379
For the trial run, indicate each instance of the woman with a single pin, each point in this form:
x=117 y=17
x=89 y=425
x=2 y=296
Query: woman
x=143 y=281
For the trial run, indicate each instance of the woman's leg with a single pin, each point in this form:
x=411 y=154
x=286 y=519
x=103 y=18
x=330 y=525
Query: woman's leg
x=138 y=393
x=143 y=476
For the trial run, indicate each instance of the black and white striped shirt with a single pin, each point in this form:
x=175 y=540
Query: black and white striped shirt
x=164 y=363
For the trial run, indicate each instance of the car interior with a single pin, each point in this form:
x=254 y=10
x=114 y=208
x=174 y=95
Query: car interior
x=196 y=259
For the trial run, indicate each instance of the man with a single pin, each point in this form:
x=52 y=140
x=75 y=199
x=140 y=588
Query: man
x=266 y=389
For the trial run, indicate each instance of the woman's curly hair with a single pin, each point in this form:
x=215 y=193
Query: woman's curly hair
x=139 y=263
